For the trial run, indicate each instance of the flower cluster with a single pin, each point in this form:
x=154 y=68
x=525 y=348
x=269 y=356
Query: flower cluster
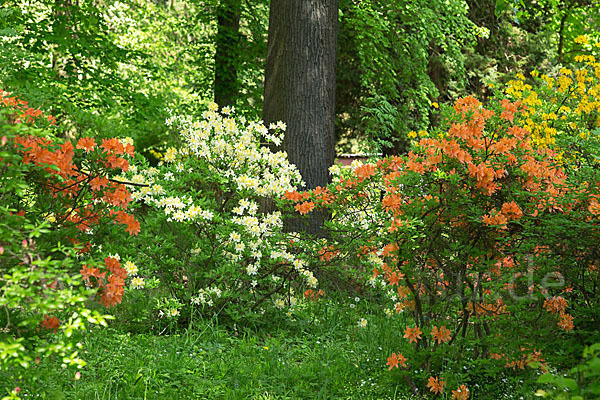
x=214 y=186
x=564 y=107
x=451 y=230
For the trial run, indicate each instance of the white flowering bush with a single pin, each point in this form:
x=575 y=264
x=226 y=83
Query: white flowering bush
x=205 y=238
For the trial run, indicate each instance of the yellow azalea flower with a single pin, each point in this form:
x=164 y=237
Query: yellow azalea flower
x=138 y=283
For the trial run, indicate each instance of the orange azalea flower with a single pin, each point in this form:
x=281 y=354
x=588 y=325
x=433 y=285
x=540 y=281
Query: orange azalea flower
x=391 y=202
x=323 y=195
x=555 y=305
x=98 y=183
x=112 y=263
x=498 y=219
x=328 y=253
x=113 y=145
x=442 y=335
x=87 y=273
x=87 y=144
x=436 y=385
x=394 y=277
x=120 y=196
x=364 y=171
x=403 y=291
x=461 y=393
x=292 y=195
x=133 y=225
x=117 y=162
x=394 y=360
x=594 y=207
x=412 y=334
x=50 y=323
x=565 y=322
x=129 y=149
x=415 y=166
x=390 y=248
x=305 y=208
x=512 y=210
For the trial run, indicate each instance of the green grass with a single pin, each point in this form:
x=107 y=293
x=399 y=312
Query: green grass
x=319 y=353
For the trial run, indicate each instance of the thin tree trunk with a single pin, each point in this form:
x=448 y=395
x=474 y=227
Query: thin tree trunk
x=561 y=35
x=227 y=55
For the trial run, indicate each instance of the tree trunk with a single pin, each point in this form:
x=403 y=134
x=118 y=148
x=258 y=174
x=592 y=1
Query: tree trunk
x=300 y=88
x=227 y=52
x=561 y=35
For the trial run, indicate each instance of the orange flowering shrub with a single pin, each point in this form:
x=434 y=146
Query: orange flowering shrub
x=72 y=186
x=461 y=234
x=53 y=195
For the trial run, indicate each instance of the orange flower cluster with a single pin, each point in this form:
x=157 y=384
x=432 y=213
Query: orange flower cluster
x=396 y=359
x=50 y=323
x=328 y=253
x=558 y=305
x=441 y=335
x=555 y=305
x=487 y=309
x=307 y=201
x=436 y=385
x=527 y=358
x=412 y=334
x=111 y=287
x=78 y=177
x=364 y=171
x=22 y=112
x=509 y=212
x=565 y=322
x=305 y=208
x=313 y=295
x=58 y=161
x=461 y=393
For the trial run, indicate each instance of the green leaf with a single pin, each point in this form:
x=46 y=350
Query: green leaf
x=546 y=378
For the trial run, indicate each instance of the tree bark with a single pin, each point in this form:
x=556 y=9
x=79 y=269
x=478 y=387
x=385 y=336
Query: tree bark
x=227 y=52
x=300 y=88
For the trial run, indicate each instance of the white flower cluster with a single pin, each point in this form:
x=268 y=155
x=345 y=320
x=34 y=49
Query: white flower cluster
x=226 y=156
x=176 y=208
x=205 y=296
x=233 y=148
x=291 y=300
x=298 y=264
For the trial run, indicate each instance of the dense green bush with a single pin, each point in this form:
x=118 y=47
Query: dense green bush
x=204 y=237
x=41 y=212
x=477 y=234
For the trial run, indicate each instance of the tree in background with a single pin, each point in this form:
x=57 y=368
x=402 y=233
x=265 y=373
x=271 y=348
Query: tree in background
x=227 y=52
x=300 y=86
x=526 y=35
x=396 y=58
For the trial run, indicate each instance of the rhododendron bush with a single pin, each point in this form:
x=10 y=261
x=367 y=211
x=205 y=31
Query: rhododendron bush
x=218 y=250
x=478 y=236
x=564 y=108
x=52 y=195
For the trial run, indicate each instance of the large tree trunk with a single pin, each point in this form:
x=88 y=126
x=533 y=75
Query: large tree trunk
x=300 y=87
x=227 y=52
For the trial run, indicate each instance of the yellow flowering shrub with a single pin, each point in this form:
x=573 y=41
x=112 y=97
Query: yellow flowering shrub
x=563 y=106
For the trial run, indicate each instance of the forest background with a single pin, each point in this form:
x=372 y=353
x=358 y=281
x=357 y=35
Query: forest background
x=146 y=72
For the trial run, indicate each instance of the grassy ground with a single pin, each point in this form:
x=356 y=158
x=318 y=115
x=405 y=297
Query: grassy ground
x=319 y=353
